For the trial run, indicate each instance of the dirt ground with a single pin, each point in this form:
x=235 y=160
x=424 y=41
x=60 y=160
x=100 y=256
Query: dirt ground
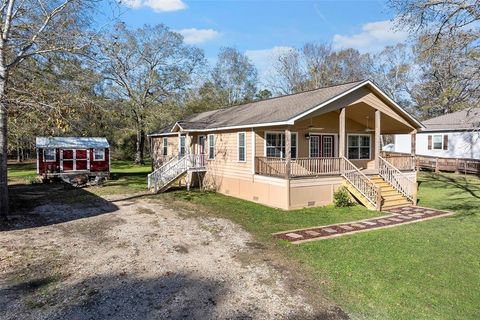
x=134 y=258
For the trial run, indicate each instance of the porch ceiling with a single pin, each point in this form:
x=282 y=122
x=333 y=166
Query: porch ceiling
x=388 y=125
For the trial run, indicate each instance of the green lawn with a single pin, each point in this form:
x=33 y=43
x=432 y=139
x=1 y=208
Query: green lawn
x=428 y=270
x=125 y=177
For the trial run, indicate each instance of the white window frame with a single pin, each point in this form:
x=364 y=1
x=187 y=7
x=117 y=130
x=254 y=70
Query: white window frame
x=184 y=139
x=282 y=156
x=165 y=146
x=54 y=155
x=442 y=138
x=95 y=155
x=370 y=146
x=210 y=146
x=244 y=146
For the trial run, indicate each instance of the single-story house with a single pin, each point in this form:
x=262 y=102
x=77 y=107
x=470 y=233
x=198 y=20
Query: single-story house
x=453 y=135
x=292 y=151
x=59 y=156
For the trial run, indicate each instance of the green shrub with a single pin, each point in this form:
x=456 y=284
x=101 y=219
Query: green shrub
x=341 y=198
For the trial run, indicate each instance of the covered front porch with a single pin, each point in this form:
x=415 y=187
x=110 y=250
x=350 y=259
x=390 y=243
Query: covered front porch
x=323 y=144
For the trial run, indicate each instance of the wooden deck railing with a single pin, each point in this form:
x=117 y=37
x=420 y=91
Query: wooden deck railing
x=459 y=165
x=403 y=162
x=300 y=167
x=398 y=180
x=362 y=183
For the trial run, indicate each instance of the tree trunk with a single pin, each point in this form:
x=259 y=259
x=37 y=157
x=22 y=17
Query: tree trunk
x=3 y=147
x=140 y=147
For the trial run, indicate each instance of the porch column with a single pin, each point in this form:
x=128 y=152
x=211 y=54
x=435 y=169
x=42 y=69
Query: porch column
x=288 y=152
x=178 y=142
x=413 y=142
x=377 y=139
x=413 y=148
x=341 y=134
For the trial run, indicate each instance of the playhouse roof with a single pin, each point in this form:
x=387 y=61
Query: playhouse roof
x=72 y=142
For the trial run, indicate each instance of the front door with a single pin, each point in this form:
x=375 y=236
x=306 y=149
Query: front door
x=201 y=149
x=81 y=159
x=327 y=146
x=322 y=146
x=67 y=160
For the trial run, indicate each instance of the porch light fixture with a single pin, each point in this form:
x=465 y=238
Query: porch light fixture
x=307 y=136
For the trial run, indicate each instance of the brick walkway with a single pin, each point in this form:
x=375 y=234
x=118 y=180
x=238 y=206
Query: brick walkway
x=398 y=217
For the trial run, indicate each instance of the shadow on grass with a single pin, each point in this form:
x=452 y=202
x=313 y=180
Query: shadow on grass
x=45 y=204
x=459 y=182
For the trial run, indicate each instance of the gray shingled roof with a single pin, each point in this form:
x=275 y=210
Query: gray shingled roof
x=71 y=142
x=270 y=111
x=467 y=119
x=276 y=109
x=265 y=111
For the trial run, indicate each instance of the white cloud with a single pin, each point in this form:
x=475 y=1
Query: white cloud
x=156 y=5
x=373 y=37
x=195 y=36
x=264 y=60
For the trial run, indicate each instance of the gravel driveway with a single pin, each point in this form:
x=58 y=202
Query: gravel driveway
x=145 y=261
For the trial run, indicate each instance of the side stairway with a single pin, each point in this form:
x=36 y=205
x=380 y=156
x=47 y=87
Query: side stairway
x=174 y=169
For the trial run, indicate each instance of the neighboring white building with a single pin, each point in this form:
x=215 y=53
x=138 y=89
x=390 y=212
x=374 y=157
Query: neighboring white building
x=454 y=135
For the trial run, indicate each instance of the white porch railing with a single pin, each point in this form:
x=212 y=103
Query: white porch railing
x=398 y=180
x=172 y=169
x=300 y=167
x=362 y=183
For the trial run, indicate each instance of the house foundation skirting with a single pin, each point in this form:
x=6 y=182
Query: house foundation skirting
x=276 y=192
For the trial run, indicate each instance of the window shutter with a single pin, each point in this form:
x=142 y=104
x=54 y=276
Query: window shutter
x=429 y=142
x=445 y=142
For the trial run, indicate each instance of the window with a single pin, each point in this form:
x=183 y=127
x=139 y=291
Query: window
x=275 y=145
x=98 y=154
x=437 y=142
x=211 y=146
x=49 y=155
x=182 y=146
x=165 y=146
x=359 y=147
x=241 y=147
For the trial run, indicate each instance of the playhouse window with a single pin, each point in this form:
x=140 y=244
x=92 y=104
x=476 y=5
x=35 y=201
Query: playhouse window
x=49 y=155
x=99 y=154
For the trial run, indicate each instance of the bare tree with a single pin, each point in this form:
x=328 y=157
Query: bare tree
x=441 y=19
x=391 y=69
x=145 y=68
x=449 y=75
x=234 y=77
x=30 y=28
x=290 y=75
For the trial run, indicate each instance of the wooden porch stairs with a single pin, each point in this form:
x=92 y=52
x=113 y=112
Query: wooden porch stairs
x=391 y=198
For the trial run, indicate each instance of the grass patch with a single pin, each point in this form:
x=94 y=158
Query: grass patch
x=427 y=270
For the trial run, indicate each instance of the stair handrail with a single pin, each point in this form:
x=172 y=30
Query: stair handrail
x=397 y=179
x=171 y=173
x=362 y=183
x=159 y=170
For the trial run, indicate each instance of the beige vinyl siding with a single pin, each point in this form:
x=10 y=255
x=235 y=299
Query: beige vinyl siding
x=226 y=155
x=157 y=149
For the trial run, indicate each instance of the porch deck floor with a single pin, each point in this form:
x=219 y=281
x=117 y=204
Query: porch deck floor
x=397 y=217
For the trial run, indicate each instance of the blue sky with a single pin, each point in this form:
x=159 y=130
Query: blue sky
x=261 y=29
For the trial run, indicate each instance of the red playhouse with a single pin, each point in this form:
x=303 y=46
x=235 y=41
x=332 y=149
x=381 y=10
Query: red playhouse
x=67 y=157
